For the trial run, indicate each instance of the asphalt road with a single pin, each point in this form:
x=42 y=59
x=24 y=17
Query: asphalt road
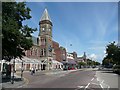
x=108 y=79
x=76 y=79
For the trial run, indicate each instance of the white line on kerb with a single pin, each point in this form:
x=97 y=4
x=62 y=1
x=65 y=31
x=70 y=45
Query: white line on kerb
x=92 y=79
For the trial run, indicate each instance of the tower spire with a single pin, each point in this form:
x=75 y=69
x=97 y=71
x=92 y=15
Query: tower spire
x=45 y=15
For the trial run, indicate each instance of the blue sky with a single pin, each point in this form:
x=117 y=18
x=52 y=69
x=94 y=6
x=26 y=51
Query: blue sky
x=88 y=26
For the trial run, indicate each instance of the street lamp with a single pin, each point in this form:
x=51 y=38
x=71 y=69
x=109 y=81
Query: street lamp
x=22 y=69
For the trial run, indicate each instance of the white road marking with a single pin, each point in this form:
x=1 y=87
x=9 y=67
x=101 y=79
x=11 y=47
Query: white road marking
x=97 y=79
x=80 y=86
x=19 y=86
x=92 y=79
x=108 y=87
x=26 y=82
x=95 y=83
x=102 y=81
x=101 y=86
x=87 y=85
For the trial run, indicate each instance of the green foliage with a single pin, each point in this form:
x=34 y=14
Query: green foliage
x=113 y=54
x=90 y=62
x=107 y=61
x=82 y=63
x=16 y=37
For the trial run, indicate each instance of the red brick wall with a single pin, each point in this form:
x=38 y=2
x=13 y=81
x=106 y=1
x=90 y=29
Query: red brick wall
x=34 y=52
x=59 y=52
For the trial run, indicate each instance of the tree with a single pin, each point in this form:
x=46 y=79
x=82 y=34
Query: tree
x=113 y=54
x=107 y=61
x=16 y=37
x=82 y=63
x=89 y=62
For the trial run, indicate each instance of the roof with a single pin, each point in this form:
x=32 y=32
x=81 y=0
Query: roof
x=45 y=15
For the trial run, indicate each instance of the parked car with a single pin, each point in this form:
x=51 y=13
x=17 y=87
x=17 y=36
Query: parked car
x=116 y=69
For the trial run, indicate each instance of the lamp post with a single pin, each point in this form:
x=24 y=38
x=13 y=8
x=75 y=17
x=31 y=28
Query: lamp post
x=21 y=69
x=67 y=64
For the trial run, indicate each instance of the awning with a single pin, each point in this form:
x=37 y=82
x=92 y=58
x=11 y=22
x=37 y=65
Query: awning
x=26 y=60
x=56 y=62
x=64 y=62
x=70 y=61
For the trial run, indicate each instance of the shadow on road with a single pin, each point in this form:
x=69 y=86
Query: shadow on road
x=108 y=72
x=4 y=80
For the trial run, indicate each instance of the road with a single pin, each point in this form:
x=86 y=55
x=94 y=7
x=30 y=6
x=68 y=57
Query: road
x=83 y=79
x=76 y=79
x=108 y=79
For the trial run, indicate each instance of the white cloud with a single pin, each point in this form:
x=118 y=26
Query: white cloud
x=92 y=56
x=104 y=51
x=80 y=55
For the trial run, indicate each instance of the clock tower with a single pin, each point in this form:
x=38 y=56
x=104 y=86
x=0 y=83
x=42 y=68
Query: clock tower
x=45 y=39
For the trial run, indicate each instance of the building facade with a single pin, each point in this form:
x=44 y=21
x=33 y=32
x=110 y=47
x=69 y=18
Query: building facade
x=45 y=49
x=59 y=51
x=45 y=39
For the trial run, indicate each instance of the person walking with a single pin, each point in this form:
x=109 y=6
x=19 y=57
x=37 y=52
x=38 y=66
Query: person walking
x=32 y=71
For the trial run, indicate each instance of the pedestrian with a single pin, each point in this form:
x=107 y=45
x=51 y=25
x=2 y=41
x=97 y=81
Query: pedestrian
x=32 y=71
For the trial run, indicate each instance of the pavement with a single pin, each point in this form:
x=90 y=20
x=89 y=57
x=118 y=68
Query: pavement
x=17 y=82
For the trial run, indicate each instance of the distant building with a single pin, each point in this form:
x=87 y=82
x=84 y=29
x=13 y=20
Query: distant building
x=71 y=62
x=62 y=53
x=80 y=59
x=74 y=56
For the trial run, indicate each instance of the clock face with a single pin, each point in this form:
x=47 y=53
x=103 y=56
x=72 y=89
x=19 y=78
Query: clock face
x=48 y=29
x=43 y=29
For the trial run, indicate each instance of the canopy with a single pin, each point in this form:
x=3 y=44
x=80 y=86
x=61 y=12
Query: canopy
x=56 y=62
x=70 y=61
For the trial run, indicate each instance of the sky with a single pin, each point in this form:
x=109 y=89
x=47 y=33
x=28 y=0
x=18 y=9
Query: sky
x=79 y=26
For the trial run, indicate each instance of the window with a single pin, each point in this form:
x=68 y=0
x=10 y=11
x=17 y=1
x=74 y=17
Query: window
x=36 y=52
x=43 y=52
x=31 y=52
x=43 y=41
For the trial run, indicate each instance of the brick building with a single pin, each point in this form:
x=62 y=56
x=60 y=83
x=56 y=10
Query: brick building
x=45 y=49
x=59 y=51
